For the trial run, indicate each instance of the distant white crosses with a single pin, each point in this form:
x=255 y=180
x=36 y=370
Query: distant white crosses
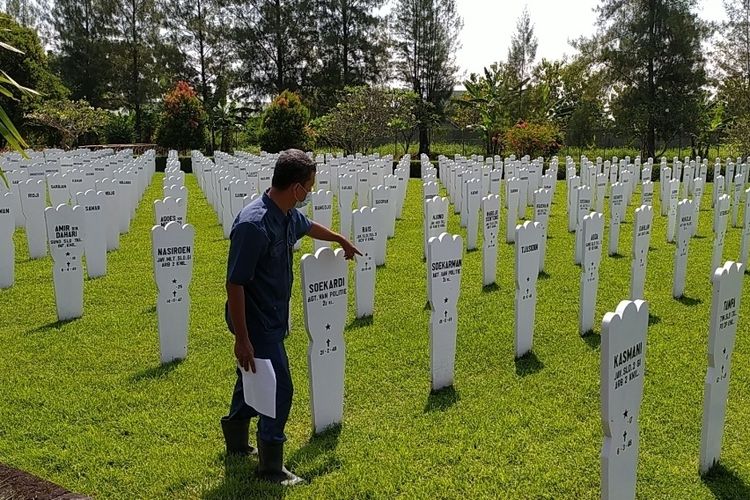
x=616 y=213
x=365 y=228
x=491 y=218
x=239 y=192
x=718 y=190
x=32 y=193
x=65 y=232
x=641 y=239
x=542 y=206
x=725 y=307
x=592 y=235
x=472 y=204
x=7 y=247
x=623 y=364
x=363 y=188
x=528 y=237
x=685 y=213
x=324 y=290
x=745 y=243
x=495 y=177
x=583 y=207
x=721 y=213
x=346 y=198
x=513 y=186
x=172 y=253
x=673 y=193
x=444 y=260
x=322 y=212
x=95 y=232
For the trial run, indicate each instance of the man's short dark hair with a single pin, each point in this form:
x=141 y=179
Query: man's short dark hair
x=292 y=166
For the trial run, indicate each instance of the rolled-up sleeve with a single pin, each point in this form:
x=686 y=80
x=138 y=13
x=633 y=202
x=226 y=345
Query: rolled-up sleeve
x=246 y=244
x=302 y=224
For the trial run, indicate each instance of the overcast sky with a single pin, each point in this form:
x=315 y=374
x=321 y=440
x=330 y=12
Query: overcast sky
x=489 y=24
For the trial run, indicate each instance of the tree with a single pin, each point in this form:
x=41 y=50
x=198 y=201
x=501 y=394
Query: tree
x=426 y=33
x=463 y=116
x=651 y=50
x=521 y=55
x=71 y=119
x=284 y=124
x=183 y=119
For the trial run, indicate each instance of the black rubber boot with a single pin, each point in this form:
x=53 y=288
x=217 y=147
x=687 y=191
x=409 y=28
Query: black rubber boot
x=236 y=436
x=271 y=464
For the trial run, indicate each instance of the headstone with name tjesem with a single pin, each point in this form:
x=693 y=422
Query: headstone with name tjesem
x=725 y=307
x=364 y=223
x=623 y=364
x=169 y=209
x=737 y=188
x=322 y=213
x=383 y=199
x=513 y=186
x=65 y=232
x=346 y=198
x=172 y=250
x=685 y=213
x=573 y=184
x=592 y=234
x=642 y=221
x=444 y=261
x=745 y=240
x=542 y=206
x=473 y=203
x=95 y=232
x=721 y=214
x=324 y=297
x=616 y=209
x=33 y=194
x=7 y=246
x=528 y=236
x=698 y=187
x=674 y=193
x=583 y=207
x=491 y=218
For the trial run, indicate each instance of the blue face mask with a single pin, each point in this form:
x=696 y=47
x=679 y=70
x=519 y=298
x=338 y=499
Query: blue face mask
x=302 y=204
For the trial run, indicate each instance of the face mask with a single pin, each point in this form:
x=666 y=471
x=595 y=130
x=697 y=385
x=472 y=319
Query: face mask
x=302 y=204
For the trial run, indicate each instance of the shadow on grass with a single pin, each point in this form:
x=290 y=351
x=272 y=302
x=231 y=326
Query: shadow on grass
x=689 y=301
x=544 y=276
x=54 y=325
x=528 y=364
x=240 y=482
x=653 y=319
x=317 y=457
x=156 y=371
x=492 y=287
x=699 y=237
x=442 y=399
x=617 y=256
x=149 y=310
x=724 y=483
x=359 y=323
x=593 y=339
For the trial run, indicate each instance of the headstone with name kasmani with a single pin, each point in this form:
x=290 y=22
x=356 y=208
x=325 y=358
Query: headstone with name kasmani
x=172 y=249
x=95 y=232
x=513 y=186
x=7 y=246
x=623 y=365
x=592 y=234
x=322 y=213
x=346 y=198
x=583 y=208
x=444 y=263
x=721 y=214
x=65 y=232
x=616 y=209
x=685 y=214
x=542 y=206
x=324 y=297
x=528 y=236
x=641 y=239
x=491 y=218
x=33 y=194
x=745 y=240
x=365 y=226
x=725 y=307
x=473 y=204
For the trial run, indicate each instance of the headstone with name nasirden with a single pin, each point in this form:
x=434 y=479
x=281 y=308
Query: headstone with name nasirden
x=528 y=236
x=7 y=247
x=365 y=226
x=172 y=250
x=642 y=221
x=592 y=234
x=65 y=228
x=491 y=218
x=324 y=298
x=616 y=209
x=721 y=214
x=623 y=366
x=725 y=307
x=444 y=263
x=685 y=214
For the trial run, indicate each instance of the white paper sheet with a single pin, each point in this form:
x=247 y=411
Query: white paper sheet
x=259 y=388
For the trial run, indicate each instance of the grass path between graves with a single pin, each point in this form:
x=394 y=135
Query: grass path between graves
x=87 y=405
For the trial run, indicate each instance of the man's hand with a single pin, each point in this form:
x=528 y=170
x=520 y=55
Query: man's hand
x=349 y=250
x=243 y=350
x=320 y=232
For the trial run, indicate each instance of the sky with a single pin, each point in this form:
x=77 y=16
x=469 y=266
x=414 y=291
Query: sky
x=489 y=25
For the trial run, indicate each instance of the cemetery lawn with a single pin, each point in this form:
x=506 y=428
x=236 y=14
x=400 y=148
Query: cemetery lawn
x=86 y=404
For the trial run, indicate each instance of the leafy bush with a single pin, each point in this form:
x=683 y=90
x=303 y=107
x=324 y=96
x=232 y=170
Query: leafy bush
x=533 y=139
x=284 y=124
x=120 y=129
x=70 y=119
x=183 y=119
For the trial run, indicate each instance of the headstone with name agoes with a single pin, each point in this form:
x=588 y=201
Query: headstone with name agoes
x=65 y=232
x=725 y=307
x=641 y=239
x=169 y=209
x=172 y=251
x=685 y=214
x=592 y=234
x=322 y=213
x=364 y=222
x=95 y=232
x=345 y=198
x=491 y=218
x=513 y=186
x=674 y=193
x=7 y=246
x=623 y=364
x=745 y=240
x=616 y=209
x=324 y=281
x=583 y=207
x=528 y=236
x=176 y=192
x=473 y=203
x=33 y=200
x=444 y=261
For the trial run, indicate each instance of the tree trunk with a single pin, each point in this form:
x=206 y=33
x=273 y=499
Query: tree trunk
x=424 y=140
x=136 y=75
x=204 y=80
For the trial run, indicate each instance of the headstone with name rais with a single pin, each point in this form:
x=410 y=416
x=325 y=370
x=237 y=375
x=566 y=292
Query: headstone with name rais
x=737 y=189
x=33 y=193
x=745 y=240
x=698 y=187
x=324 y=297
x=583 y=207
x=65 y=232
x=623 y=364
x=112 y=211
x=345 y=198
x=573 y=184
x=674 y=193
x=641 y=239
x=322 y=212
x=647 y=193
x=172 y=250
x=169 y=209
x=721 y=214
x=528 y=236
x=513 y=186
x=473 y=203
x=383 y=199
x=685 y=213
x=444 y=261
x=491 y=218
x=7 y=247
x=592 y=234
x=364 y=223
x=616 y=209
x=542 y=204
x=725 y=307
x=436 y=218
x=95 y=232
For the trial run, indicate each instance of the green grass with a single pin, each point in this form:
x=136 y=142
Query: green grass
x=86 y=403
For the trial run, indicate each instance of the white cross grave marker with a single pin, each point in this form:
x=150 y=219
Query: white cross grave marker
x=542 y=202
x=169 y=209
x=745 y=240
x=513 y=186
x=33 y=193
x=7 y=246
x=583 y=207
x=616 y=209
x=345 y=198
x=322 y=213
x=365 y=224
x=685 y=214
x=472 y=204
x=641 y=239
x=674 y=192
x=721 y=213
x=592 y=229
x=528 y=236
x=491 y=217
x=95 y=232
x=65 y=232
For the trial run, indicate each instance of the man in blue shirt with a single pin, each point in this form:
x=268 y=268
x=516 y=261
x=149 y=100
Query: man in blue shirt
x=259 y=286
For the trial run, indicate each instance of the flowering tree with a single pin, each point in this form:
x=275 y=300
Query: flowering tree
x=183 y=120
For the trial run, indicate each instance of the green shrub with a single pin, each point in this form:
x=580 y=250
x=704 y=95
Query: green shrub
x=533 y=139
x=183 y=120
x=284 y=124
x=120 y=129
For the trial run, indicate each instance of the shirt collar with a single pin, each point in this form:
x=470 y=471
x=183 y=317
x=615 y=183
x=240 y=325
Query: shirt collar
x=273 y=208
